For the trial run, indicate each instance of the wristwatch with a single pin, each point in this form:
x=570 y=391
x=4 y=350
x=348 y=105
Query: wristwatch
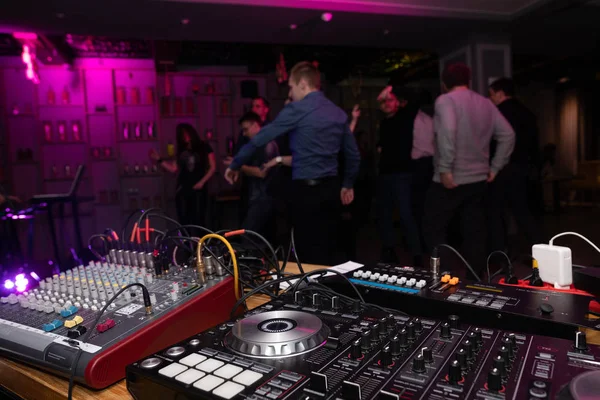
x=278 y=159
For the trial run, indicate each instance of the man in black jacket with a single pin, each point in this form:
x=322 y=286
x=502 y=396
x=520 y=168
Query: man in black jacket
x=509 y=190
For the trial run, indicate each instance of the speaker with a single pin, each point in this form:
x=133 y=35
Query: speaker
x=249 y=89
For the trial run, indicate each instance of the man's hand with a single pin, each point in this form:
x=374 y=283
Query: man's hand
x=269 y=164
x=198 y=186
x=356 y=112
x=491 y=177
x=231 y=176
x=227 y=161
x=448 y=180
x=347 y=196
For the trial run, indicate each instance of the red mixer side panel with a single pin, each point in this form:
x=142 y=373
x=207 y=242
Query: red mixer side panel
x=204 y=311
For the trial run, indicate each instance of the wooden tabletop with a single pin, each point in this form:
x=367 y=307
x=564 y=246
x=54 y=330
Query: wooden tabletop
x=32 y=384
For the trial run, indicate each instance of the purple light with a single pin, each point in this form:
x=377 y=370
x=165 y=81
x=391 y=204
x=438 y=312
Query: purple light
x=8 y=284
x=327 y=16
x=20 y=277
x=35 y=276
x=21 y=288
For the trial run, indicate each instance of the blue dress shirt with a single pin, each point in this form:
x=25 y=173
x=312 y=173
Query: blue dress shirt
x=318 y=131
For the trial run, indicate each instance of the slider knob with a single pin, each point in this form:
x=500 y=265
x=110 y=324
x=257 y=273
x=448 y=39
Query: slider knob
x=500 y=364
x=386 y=357
x=298 y=298
x=494 y=381
x=356 y=349
x=445 y=331
x=316 y=300
x=335 y=303
x=454 y=372
x=418 y=364
x=580 y=341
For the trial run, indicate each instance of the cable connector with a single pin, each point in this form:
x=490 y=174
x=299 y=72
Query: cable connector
x=535 y=275
x=200 y=267
x=434 y=262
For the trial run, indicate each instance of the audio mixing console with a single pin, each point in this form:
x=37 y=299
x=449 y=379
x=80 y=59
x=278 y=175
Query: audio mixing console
x=317 y=346
x=507 y=307
x=42 y=326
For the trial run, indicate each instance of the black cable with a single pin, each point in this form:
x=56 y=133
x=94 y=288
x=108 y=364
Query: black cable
x=293 y=243
x=325 y=271
x=463 y=260
x=265 y=285
x=147 y=303
x=99 y=236
x=180 y=227
x=488 y=262
x=286 y=256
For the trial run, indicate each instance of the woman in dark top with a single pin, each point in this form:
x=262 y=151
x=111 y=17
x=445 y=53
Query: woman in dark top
x=195 y=165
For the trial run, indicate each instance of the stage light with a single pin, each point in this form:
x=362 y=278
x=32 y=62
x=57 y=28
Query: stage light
x=20 y=277
x=185 y=21
x=326 y=16
x=8 y=284
x=293 y=26
x=35 y=276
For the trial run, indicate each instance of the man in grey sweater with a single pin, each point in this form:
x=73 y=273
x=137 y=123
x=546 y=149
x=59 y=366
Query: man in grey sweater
x=464 y=124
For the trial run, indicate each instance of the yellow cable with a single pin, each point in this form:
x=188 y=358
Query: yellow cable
x=236 y=275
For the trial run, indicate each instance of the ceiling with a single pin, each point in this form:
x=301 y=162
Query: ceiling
x=550 y=27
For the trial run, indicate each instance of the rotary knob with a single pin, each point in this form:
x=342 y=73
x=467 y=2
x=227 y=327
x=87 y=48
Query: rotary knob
x=403 y=337
x=461 y=357
x=410 y=329
x=418 y=364
x=500 y=364
x=505 y=354
x=445 y=331
x=386 y=357
x=454 y=321
x=356 y=349
x=494 y=380
x=508 y=344
x=478 y=336
x=375 y=333
x=454 y=372
x=391 y=322
x=395 y=346
x=366 y=340
x=468 y=346
x=418 y=325
x=383 y=327
x=427 y=355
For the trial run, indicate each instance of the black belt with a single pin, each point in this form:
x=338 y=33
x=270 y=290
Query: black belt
x=315 y=182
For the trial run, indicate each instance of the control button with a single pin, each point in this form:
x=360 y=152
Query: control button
x=228 y=371
x=247 y=377
x=418 y=364
x=150 y=363
x=194 y=342
x=478 y=336
x=175 y=351
x=395 y=346
x=78 y=319
x=500 y=364
x=445 y=331
x=454 y=321
x=494 y=381
x=171 y=370
x=418 y=325
x=504 y=353
x=511 y=347
x=190 y=376
x=209 y=365
x=208 y=383
x=375 y=333
x=383 y=327
x=316 y=300
x=192 y=360
x=106 y=325
x=538 y=393
x=335 y=303
x=70 y=323
x=468 y=346
x=403 y=338
x=445 y=278
x=228 y=390
x=540 y=384
x=366 y=339
x=410 y=329
x=454 y=373
x=461 y=357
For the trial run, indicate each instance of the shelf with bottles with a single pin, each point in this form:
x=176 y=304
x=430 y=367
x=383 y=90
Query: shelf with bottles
x=65 y=133
x=20 y=115
x=60 y=105
x=138 y=170
x=181 y=116
x=108 y=198
x=141 y=175
x=65 y=143
x=62 y=179
x=138 y=131
x=134 y=98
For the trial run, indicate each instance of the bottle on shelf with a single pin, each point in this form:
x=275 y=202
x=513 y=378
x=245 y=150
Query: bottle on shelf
x=178 y=106
x=15 y=109
x=145 y=168
x=108 y=152
x=209 y=134
x=125 y=130
x=126 y=169
x=138 y=130
x=121 y=95
x=189 y=105
x=150 y=95
x=170 y=149
x=76 y=128
x=62 y=131
x=51 y=96
x=67 y=171
x=48 y=131
x=103 y=197
x=54 y=171
x=151 y=130
x=154 y=168
x=165 y=105
x=136 y=168
x=224 y=106
x=96 y=152
x=135 y=95
x=66 y=97
x=114 y=196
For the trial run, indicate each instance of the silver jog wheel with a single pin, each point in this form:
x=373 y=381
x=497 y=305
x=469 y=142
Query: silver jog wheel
x=277 y=334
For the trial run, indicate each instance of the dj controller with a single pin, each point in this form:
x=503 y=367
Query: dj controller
x=322 y=346
x=42 y=326
x=525 y=309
